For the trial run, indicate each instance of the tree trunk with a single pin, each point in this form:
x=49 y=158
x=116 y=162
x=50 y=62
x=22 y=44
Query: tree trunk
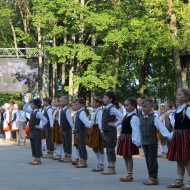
x=14 y=38
x=143 y=75
x=54 y=74
x=116 y=70
x=40 y=58
x=180 y=73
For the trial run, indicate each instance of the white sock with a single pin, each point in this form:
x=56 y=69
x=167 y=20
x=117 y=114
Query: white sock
x=165 y=148
x=102 y=156
x=17 y=138
x=77 y=153
x=162 y=148
x=97 y=157
x=180 y=177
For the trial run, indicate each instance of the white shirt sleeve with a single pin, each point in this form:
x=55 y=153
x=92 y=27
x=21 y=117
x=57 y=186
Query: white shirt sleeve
x=59 y=116
x=50 y=115
x=124 y=111
x=84 y=119
x=188 y=112
x=43 y=120
x=69 y=118
x=99 y=119
x=163 y=130
x=27 y=108
x=136 y=135
x=118 y=115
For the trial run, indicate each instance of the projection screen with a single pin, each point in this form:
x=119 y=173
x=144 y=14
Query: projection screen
x=18 y=75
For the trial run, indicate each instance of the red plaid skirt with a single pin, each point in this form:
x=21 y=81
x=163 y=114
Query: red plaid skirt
x=125 y=147
x=179 y=149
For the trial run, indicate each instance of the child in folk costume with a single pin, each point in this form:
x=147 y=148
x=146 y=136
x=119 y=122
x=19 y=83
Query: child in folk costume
x=56 y=136
x=163 y=140
x=81 y=122
x=15 y=127
x=129 y=140
x=77 y=157
x=149 y=124
x=96 y=140
x=48 y=127
x=180 y=143
x=37 y=122
x=66 y=126
x=21 y=122
x=109 y=116
x=7 y=123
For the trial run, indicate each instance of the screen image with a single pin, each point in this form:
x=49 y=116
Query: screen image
x=18 y=75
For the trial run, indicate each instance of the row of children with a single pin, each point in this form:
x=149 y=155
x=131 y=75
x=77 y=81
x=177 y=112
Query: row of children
x=101 y=131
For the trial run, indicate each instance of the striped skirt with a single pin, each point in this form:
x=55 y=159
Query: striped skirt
x=95 y=139
x=56 y=136
x=125 y=147
x=179 y=146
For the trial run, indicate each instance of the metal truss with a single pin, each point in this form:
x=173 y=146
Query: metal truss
x=20 y=52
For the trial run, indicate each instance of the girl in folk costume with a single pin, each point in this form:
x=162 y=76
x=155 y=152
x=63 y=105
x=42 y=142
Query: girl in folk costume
x=130 y=139
x=21 y=123
x=15 y=127
x=180 y=143
x=7 y=123
x=96 y=140
x=163 y=140
x=56 y=136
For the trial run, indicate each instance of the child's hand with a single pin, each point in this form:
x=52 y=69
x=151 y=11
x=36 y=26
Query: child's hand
x=111 y=124
x=37 y=127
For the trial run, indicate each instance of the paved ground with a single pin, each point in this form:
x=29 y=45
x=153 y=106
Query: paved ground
x=17 y=174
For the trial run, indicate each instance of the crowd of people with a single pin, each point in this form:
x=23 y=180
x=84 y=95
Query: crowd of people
x=136 y=124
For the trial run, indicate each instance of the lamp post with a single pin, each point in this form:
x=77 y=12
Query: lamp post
x=46 y=70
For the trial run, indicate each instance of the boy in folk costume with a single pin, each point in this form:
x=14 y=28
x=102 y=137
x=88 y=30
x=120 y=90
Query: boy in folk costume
x=66 y=126
x=21 y=122
x=37 y=122
x=149 y=124
x=56 y=135
x=81 y=122
x=48 y=127
x=109 y=116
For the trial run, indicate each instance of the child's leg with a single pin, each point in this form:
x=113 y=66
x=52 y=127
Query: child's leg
x=102 y=156
x=97 y=154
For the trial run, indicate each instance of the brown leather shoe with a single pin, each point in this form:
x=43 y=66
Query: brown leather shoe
x=35 y=162
x=151 y=181
x=81 y=165
x=186 y=187
x=176 y=184
x=126 y=179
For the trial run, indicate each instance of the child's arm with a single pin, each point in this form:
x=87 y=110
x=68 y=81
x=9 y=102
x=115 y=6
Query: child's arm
x=118 y=115
x=136 y=135
x=69 y=118
x=163 y=130
x=43 y=120
x=84 y=119
x=27 y=108
x=50 y=115
x=188 y=112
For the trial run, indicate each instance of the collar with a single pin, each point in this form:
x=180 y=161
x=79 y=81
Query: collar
x=182 y=106
x=109 y=105
x=131 y=113
x=48 y=107
x=64 y=108
x=80 y=109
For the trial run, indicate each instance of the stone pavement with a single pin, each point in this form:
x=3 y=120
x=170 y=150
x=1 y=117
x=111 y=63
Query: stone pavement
x=17 y=174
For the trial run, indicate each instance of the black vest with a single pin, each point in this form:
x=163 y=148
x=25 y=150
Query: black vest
x=47 y=117
x=33 y=120
x=64 y=123
x=148 y=130
x=79 y=125
x=106 y=118
x=181 y=120
x=126 y=125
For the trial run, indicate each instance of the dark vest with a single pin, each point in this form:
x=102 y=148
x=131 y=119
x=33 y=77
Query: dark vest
x=126 y=125
x=64 y=124
x=79 y=125
x=148 y=130
x=181 y=120
x=33 y=120
x=106 y=118
x=47 y=117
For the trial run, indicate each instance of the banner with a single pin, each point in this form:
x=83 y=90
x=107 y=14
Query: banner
x=18 y=75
